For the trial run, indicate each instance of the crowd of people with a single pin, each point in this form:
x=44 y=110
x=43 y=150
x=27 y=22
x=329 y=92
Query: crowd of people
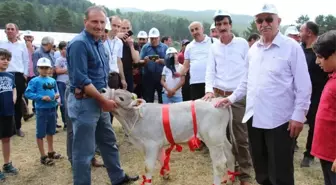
x=274 y=83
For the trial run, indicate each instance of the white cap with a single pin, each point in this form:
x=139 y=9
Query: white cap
x=291 y=30
x=43 y=62
x=142 y=35
x=28 y=33
x=108 y=24
x=268 y=8
x=221 y=13
x=154 y=33
x=212 y=26
x=171 y=50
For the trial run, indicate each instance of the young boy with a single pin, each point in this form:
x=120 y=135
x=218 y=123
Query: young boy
x=7 y=101
x=324 y=140
x=171 y=82
x=62 y=77
x=43 y=90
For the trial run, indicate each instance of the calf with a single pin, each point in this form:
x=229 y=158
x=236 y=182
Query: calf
x=143 y=122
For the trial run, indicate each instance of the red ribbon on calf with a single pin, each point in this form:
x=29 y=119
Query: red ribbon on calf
x=169 y=136
x=145 y=180
x=194 y=142
x=233 y=175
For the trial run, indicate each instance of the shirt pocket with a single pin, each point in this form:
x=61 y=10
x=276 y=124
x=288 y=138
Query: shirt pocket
x=278 y=66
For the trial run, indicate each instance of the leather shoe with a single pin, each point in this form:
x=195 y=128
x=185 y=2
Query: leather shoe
x=128 y=179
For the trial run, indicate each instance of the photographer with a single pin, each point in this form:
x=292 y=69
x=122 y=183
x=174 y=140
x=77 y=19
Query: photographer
x=152 y=55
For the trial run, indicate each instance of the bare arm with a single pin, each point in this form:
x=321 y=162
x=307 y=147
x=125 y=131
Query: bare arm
x=180 y=84
x=60 y=71
x=163 y=82
x=135 y=54
x=186 y=67
x=14 y=95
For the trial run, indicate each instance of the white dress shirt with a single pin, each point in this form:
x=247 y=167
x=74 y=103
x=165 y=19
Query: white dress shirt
x=226 y=65
x=20 y=57
x=198 y=55
x=277 y=84
x=115 y=50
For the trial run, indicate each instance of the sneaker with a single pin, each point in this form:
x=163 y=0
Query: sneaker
x=9 y=169
x=306 y=162
x=2 y=177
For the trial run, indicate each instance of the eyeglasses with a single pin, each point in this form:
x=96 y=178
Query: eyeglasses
x=44 y=67
x=267 y=19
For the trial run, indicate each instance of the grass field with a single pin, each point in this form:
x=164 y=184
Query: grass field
x=186 y=168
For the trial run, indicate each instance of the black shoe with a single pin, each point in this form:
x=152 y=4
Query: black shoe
x=58 y=126
x=306 y=162
x=128 y=179
x=27 y=117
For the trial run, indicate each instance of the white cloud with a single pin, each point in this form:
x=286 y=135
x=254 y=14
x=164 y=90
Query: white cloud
x=289 y=10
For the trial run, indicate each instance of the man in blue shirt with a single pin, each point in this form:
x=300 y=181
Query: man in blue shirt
x=153 y=54
x=88 y=72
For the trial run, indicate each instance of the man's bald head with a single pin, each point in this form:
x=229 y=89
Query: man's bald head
x=125 y=25
x=196 y=30
x=195 y=23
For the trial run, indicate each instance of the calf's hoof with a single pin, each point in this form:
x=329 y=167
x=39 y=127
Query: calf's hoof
x=166 y=175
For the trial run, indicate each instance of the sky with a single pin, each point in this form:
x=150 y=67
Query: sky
x=289 y=10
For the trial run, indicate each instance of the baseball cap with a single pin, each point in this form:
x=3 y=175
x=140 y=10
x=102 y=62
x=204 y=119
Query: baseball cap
x=28 y=33
x=268 y=8
x=43 y=62
x=171 y=50
x=221 y=13
x=212 y=26
x=185 y=41
x=108 y=24
x=291 y=30
x=153 y=33
x=142 y=35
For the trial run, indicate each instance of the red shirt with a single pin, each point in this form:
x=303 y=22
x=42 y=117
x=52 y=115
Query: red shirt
x=180 y=57
x=324 y=141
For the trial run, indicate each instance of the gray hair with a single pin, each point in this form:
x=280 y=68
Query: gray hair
x=47 y=40
x=195 y=22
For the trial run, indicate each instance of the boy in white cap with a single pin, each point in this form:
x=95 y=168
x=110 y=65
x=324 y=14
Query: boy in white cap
x=43 y=90
x=277 y=88
x=171 y=83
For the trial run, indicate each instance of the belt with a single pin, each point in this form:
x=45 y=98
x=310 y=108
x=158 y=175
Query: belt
x=113 y=73
x=79 y=93
x=221 y=92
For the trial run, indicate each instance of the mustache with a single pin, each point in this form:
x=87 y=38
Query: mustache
x=223 y=30
x=266 y=28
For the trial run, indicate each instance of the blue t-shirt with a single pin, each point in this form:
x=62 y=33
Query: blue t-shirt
x=7 y=84
x=39 y=87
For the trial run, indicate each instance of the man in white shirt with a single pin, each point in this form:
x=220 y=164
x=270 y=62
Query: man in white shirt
x=225 y=68
x=195 y=59
x=278 y=89
x=18 y=66
x=114 y=47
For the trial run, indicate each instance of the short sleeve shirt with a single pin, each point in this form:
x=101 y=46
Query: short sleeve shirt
x=7 y=84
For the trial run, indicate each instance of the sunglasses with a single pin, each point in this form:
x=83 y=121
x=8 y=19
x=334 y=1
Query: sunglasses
x=267 y=19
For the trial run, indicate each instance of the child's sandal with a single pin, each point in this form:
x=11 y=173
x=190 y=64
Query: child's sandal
x=45 y=160
x=54 y=155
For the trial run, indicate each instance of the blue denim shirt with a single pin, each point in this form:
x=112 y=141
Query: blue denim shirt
x=39 y=53
x=152 y=69
x=87 y=62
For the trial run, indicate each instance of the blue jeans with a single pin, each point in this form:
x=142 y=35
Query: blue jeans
x=90 y=126
x=61 y=88
x=45 y=122
x=173 y=99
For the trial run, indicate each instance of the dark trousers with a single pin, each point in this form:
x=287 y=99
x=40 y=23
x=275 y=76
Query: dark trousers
x=197 y=91
x=61 y=88
x=186 y=88
x=329 y=176
x=129 y=81
x=149 y=88
x=20 y=83
x=272 y=154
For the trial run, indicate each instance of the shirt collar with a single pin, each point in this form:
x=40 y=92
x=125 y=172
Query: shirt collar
x=278 y=39
x=332 y=75
x=90 y=38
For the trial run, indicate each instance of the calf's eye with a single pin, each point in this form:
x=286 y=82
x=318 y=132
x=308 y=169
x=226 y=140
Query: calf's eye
x=121 y=99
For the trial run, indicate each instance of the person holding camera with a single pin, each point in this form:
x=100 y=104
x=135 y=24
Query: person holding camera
x=152 y=55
